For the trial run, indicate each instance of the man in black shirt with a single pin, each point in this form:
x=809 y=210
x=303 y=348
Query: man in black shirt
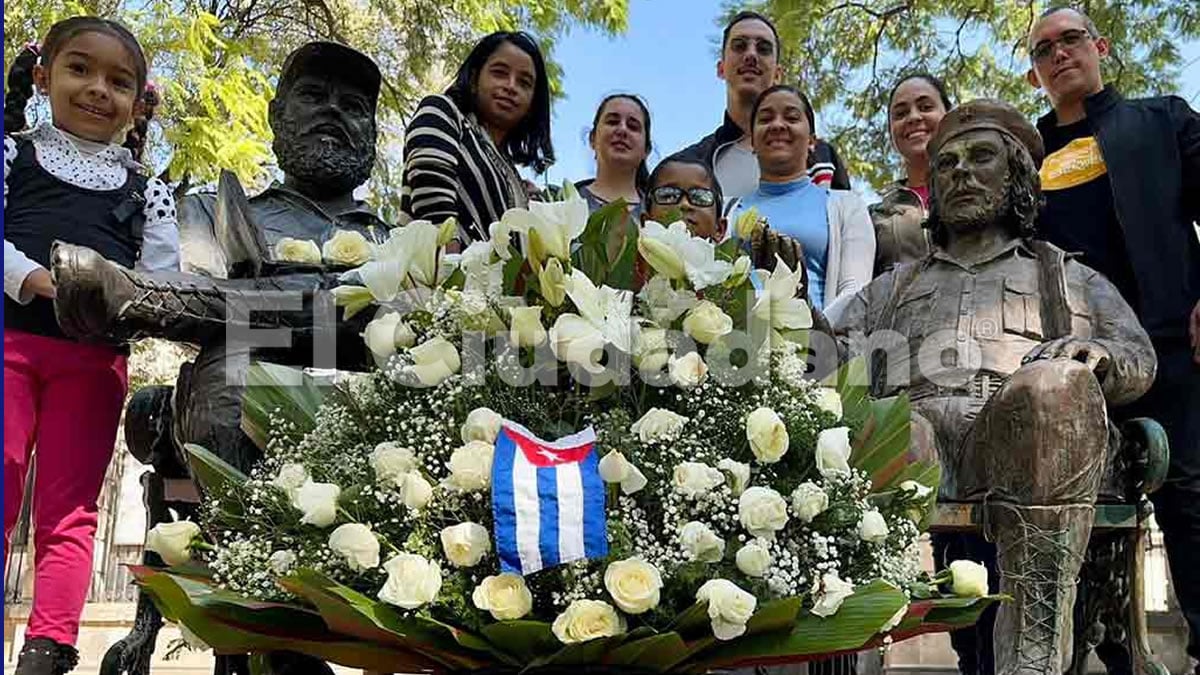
x=1122 y=185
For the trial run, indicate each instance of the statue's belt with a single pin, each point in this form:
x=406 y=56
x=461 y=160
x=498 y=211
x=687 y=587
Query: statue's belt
x=982 y=386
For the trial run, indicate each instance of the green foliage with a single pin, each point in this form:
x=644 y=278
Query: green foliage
x=216 y=61
x=358 y=631
x=979 y=47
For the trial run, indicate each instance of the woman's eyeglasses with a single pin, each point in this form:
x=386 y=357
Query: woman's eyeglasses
x=669 y=195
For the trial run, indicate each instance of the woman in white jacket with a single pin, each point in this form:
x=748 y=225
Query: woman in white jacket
x=833 y=226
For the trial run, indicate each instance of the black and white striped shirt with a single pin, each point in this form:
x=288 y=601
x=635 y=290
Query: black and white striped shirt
x=452 y=168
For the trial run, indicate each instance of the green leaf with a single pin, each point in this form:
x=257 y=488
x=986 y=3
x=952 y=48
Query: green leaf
x=282 y=392
x=525 y=640
x=656 y=653
x=215 y=474
x=775 y=616
x=881 y=448
x=853 y=626
x=348 y=611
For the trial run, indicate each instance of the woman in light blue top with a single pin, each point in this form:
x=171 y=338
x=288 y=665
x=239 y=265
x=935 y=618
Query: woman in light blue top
x=833 y=226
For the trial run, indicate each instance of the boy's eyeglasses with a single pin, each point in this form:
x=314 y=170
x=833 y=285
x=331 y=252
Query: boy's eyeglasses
x=669 y=195
x=1069 y=39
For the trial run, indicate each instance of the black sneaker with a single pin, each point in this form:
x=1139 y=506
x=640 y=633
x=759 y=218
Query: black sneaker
x=43 y=656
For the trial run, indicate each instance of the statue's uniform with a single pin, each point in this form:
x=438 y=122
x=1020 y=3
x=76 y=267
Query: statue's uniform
x=1028 y=439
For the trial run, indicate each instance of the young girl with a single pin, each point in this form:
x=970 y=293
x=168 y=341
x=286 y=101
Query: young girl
x=68 y=180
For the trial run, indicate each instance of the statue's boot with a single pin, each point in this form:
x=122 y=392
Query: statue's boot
x=1040 y=550
x=99 y=299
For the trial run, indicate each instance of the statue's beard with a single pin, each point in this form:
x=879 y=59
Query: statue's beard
x=331 y=166
x=977 y=214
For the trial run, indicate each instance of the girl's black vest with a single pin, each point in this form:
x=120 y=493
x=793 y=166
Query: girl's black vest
x=41 y=209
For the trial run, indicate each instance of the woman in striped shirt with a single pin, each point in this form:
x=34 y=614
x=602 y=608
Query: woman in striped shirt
x=461 y=148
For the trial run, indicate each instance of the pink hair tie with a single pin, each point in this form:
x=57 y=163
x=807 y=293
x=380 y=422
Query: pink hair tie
x=150 y=86
x=34 y=47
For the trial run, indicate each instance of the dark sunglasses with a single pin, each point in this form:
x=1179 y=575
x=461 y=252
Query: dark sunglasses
x=1069 y=39
x=669 y=195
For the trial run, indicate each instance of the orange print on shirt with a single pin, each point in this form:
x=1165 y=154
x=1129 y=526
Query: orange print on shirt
x=1076 y=163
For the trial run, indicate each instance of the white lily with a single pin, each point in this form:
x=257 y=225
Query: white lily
x=410 y=253
x=482 y=275
x=676 y=254
x=550 y=227
x=607 y=309
x=665 y=303
x=777 y=302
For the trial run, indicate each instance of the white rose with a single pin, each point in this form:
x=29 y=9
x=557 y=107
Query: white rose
x=833 y=451
x=692 y=479
x=830 y=592
x=809 y=501
x=471 y=466
x=290 y=478
x=298 y=251
x=753 y=559
x=873 y=528
x=707 y=323
x=651 y=353
x=969 y=579
x=587 y=620
x=415 y=491
x=658 y=425
x=357 y=544
x=767 y=434
x=895 y=620
x=701 y=543
x=347 y=247
x=434 y=360
x=465 y=544
x=918 y=491
x=391 y=462
x=387 y=333
x=412 y=581
x=633 y=584
x=829 y=400
x=505 y=595
x=526 y=329
x=762 y=511
x=281 y=562
x=747 y=223
x=614 y=468
x=739 y=475
x=729 y=607
x=173 y=541
x=687 y=371
x=483 y=424
x=318 y=503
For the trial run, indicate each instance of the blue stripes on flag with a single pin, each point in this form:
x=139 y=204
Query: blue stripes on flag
x=547 y=500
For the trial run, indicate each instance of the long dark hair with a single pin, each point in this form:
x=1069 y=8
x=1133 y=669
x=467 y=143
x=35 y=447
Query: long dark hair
x=642 y=179
x=20 y=75
x=529 y=143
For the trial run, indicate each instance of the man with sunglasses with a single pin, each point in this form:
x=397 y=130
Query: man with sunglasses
x=1122 y=184
x=749 y=65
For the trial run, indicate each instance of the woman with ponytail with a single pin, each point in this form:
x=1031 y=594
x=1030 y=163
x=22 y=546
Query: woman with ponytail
x=620 y=137
x=74 y=178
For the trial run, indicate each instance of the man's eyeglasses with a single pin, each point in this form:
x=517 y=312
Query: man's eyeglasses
x=1069 y=39
x=669 y=195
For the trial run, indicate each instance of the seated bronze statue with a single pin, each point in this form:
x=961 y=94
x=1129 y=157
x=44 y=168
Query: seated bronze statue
x=323 y=119
x=1011 y=353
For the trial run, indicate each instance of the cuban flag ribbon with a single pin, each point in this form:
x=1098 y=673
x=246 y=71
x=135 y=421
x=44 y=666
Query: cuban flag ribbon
x=547 y=500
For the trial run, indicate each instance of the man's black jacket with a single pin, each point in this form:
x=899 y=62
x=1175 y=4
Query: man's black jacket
x=1151 y=147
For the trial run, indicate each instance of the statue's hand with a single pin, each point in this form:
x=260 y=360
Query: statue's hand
x=89 y=291
x=1092 y=354
x=767 y=244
